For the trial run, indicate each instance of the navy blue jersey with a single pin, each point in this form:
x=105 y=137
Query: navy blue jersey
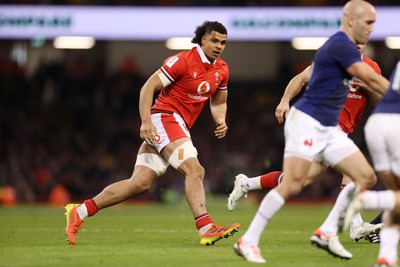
x=328 y=85
x=390 y=102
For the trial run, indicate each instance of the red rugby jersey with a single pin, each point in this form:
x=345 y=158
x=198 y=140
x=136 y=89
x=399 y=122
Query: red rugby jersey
x=355 y=103
x=194 y=79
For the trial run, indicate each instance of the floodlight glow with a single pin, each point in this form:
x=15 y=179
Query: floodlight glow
x=308 y=43
x=393 y=42
x=74 y=42
x=179 y=43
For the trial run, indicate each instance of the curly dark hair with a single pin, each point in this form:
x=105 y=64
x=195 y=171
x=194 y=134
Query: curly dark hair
x=207 y=27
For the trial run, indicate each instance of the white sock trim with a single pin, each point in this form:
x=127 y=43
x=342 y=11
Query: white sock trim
x=82 y=211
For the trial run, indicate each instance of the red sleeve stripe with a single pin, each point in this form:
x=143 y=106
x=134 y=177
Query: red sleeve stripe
x=167 y=74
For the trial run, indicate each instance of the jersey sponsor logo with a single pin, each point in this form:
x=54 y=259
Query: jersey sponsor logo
x=197 y=97
x=194 y=74
x=353 y=86
x=172 y=61
x=203 y=88
x=354 y=96
x=308 y=142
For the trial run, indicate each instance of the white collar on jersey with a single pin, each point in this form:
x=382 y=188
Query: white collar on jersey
x=203 y=57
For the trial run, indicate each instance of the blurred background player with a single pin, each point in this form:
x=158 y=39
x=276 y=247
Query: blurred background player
x=382 y=137
x=349 y=117
x=187 y=81
x=312 y=131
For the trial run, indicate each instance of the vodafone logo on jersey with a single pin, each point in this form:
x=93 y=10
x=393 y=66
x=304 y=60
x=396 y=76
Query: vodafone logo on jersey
x=203 y=88
x=354 y=96
x=352 y=84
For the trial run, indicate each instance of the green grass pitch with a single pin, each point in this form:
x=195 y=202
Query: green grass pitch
x=162 y=235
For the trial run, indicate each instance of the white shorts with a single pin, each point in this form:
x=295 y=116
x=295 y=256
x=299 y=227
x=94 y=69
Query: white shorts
x=170 y=127
x=306 y=138
x=383 y=141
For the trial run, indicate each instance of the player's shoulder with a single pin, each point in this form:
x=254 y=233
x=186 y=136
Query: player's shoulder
x=339 y=45
x=179 y=58
x=338 y=38
x=180 y=55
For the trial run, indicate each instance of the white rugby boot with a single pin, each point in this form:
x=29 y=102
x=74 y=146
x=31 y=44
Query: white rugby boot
x=250 y=252
x=331 y=244
x=366 y=231
x=239 y=190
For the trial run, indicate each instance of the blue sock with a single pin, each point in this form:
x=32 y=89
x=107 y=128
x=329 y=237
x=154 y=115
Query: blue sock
x=377 y=219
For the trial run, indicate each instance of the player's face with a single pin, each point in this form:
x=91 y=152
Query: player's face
x=364 y=25
x=213 y=44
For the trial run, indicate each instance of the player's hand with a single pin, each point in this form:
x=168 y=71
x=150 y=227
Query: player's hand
x=148 y=133
x=281 y=111
x=221 y=129
x=360 y=84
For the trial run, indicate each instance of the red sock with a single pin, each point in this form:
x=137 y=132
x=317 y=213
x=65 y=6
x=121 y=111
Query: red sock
x=91 y=207
x=203 y=220
x=270 y=180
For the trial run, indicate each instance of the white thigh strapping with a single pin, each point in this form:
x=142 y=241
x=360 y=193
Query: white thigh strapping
x=383 y=141
x=182 y=153
x=153 y=161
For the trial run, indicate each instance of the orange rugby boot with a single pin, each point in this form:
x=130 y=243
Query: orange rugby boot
x=217 y=232
x=74 y=223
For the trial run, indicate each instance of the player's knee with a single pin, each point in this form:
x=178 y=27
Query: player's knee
x=198 y=172
x=371 y=181
x=296 y=188
x=193 y=170
x=143 y=187
x=368 y=180
x=137 y=185
x=292 y=188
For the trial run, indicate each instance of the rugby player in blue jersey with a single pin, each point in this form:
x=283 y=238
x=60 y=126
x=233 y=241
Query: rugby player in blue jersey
x=312 y=132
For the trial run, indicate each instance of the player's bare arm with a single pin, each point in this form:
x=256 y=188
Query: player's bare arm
x=152 y=85
x=374 y=81
x=292 y=89
x=373 y=96
x=218 y=107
